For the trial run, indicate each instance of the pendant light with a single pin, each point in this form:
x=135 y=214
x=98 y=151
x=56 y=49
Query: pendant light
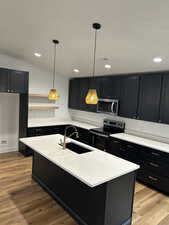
x=53 y=95
x=92 y=97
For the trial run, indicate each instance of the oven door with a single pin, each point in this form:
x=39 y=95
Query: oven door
x=99 y=140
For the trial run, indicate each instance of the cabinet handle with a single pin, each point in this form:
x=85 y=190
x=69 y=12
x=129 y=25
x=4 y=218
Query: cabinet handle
x=8 y=90
x=122 y=149
x=153 y=178
x=38 y=130
x=116 y=142
x=154 y=164
x=130 y=146
x=154 y=153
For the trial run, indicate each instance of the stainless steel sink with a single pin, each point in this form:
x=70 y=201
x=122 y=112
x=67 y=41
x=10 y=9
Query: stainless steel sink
x=76 y=148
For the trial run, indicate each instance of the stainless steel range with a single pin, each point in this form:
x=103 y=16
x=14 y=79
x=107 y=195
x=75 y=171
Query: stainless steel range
x=100 y=136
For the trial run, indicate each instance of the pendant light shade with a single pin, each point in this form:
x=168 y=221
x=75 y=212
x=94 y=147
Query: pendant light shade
x=92 y=97
x=53 y=94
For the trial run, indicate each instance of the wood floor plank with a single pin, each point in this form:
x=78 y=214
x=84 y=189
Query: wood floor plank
x=24 y=202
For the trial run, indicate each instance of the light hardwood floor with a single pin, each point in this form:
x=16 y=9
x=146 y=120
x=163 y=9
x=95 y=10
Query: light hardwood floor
x=23 y=202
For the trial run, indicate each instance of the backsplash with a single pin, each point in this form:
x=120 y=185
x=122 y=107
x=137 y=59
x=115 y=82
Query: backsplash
x=154 y=131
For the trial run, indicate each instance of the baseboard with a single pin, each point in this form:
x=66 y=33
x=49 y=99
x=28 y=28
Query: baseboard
x=5 y=150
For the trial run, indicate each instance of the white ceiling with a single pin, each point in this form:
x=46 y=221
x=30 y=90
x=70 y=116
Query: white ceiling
x=133 y=32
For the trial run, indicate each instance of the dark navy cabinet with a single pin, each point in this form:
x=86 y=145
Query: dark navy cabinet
x=13 y=81
x=4 y=80
x=164 y=106
x=74 y=89
x=78 y=89
x=154 y=164
x=149 y=98
x=142 y=96
x=18 y=81
x=124 y=150
x=129 y=96
x=109 y=87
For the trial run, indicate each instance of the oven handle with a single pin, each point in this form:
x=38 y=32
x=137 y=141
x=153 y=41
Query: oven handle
x=98 y=134
x=112 y=107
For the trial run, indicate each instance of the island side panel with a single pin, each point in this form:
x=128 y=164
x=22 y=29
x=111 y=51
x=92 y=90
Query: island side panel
x=85 y=204
x=110 y=203
x=119 y=200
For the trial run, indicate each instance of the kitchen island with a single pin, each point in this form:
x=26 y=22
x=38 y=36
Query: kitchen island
x=96 y=188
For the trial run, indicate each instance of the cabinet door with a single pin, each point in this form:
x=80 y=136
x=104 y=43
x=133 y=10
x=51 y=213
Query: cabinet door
x=93 y=84
x=149 y=99
x=129 y=96
x=109 y=87
x=74 y=93
x=164 y=107
x=58 y=129
x=84 y=136
x=114 y=147
x=18 y=81
x=4 y=77
x=83 y=90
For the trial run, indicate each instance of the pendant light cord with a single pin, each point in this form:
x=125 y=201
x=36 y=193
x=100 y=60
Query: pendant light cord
x=94 y=61
x=54 y=65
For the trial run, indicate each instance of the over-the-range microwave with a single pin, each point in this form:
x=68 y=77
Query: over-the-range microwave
x=108 y=106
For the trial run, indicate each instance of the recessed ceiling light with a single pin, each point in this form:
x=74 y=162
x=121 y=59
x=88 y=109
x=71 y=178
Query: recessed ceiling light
x=157 y=59
x=37 y=54
x=107 y=66
x=76 y=70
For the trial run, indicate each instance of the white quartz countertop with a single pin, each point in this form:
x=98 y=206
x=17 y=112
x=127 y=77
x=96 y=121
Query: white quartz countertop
x=42 y=123
x=143 y=141
x=92 y=168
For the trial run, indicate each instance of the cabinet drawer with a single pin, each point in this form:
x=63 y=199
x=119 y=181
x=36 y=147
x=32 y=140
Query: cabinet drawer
x=132 y=152
x=58 y=129
x=37 y=131
x=158 y=182
x=154 y=155
x=159 y=168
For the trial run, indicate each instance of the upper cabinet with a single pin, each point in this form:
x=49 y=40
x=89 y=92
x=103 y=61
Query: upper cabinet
x=164 y=106
x=13 y=81
x=78 y=88
x=83 y=89
x=93 y=84
x=4 y=80
x=18 y=81
x=149 y=98
x=109 y=87
x=129 y=96
x=74 y=93
x=141 y=96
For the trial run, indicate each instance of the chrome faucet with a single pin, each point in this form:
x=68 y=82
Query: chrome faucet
x=75 y=132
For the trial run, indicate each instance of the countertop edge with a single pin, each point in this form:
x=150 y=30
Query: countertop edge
x=153 y=146
x=135 y=167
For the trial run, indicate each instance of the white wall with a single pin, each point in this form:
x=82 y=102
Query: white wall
x=151 y=130
x=40 y=81
x=9 y=120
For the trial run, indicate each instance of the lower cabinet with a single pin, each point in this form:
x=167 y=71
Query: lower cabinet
x=124 y=150
x=154 y=164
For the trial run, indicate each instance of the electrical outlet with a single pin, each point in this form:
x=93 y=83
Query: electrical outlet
x=4 y=142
